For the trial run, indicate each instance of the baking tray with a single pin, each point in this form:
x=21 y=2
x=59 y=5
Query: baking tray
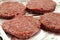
x=42 y=35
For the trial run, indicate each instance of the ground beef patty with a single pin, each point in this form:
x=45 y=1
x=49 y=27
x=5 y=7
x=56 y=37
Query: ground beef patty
x=10 y=9
x=51 y=22
x=22 y=26
x=40 y=6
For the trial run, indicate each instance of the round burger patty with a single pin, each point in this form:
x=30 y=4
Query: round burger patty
x=51 y=22
x=10 y=9
x=22 y=26
x=41 y=6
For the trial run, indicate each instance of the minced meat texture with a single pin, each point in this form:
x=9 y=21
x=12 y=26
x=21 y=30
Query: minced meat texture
x=22 y=26
x=40 y=6
x=11 y=9
x=51 y=22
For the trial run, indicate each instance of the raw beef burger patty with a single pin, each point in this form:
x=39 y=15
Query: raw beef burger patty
x=10 y=9
x=51 y=22
x=41 y=6
x=22 y=26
